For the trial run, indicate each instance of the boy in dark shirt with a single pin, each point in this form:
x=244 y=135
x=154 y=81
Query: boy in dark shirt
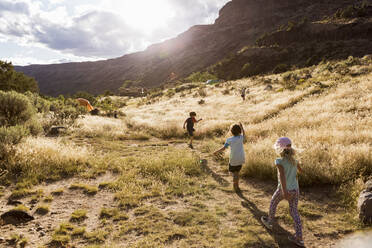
x=189 y=124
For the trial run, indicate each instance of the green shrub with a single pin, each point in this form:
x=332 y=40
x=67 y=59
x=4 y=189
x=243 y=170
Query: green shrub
x=352 y=11
x=64 y=112
x=281 y=68
x=34 y=126
x=15 y=109
x=170 y=92
x=185 y=87
x=9 y=137
x=41 y=104
x=200 y=77
x=12 y=135
x=290 y=80
x=202 y=92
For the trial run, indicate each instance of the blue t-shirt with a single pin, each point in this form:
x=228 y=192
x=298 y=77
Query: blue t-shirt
x=237 y=156
x=290 y=172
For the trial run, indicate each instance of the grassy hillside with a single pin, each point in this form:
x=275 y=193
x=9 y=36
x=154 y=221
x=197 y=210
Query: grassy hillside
x=326 y=111
x=132 y=181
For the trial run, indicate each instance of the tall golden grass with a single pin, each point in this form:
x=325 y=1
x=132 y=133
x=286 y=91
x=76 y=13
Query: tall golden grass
x=97 y=126
x=328 y=116
x=40 y=159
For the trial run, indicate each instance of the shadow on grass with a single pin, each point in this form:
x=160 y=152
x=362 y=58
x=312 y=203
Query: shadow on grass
x=216 y=177
x=279 y=234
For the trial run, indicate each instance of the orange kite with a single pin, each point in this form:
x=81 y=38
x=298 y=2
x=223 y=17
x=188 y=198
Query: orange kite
x=85 y=103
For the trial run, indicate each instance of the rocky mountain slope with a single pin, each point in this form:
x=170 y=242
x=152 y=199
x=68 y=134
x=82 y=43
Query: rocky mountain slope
x=249 y=37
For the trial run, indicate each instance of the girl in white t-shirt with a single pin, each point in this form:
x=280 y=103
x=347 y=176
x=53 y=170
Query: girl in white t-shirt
x=237 y=155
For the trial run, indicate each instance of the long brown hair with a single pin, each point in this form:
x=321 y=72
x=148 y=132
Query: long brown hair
x=289 y=154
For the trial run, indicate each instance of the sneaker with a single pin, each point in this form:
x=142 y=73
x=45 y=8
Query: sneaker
x=190 y=145
x=266 y=222
x=299 y=243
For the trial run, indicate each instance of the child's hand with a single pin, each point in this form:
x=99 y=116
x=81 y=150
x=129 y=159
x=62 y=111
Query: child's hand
x=217 y=153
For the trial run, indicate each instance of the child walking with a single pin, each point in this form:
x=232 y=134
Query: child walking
x=237 y=155
x=288 y=188
x=242 y=94
x=189 y=124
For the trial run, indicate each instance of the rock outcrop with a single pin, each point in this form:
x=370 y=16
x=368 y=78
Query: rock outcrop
x=16 y=217
x=365 y=204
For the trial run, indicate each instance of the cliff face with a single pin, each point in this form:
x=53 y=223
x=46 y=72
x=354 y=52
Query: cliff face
x=240 y=23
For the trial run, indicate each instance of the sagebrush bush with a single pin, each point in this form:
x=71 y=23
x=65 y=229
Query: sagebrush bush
x=34 y=126
x=9 y=137
x=42 y=105
x=15 y=109
x=12 y=135
x=64 y=112
x=202 y=92
x=290 y=80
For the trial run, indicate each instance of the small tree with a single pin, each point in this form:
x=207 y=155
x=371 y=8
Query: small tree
x=13 y=80
x=15 y=109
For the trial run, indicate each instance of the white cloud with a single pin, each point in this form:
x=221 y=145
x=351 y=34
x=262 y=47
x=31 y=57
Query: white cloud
x=100 y=29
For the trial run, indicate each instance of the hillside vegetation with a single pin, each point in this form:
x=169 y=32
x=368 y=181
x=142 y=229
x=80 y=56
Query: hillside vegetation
x=132 y=181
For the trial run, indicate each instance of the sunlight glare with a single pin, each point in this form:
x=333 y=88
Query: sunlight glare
x=144 y=15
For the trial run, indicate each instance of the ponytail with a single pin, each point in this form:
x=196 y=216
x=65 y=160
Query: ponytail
x=289 y=154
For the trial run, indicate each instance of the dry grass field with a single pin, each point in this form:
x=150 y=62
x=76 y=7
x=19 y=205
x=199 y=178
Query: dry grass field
x=132 y=181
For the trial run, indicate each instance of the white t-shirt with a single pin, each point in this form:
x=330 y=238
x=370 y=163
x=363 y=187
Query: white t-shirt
x=237 y=155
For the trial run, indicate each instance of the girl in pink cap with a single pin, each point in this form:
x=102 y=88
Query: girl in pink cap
x=287 y=189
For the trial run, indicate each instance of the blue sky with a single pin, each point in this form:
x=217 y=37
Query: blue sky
x=56 y=31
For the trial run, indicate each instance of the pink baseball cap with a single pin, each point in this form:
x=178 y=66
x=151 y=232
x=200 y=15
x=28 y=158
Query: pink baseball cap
x=282 y=143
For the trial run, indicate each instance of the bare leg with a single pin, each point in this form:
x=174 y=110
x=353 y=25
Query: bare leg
x=236 y=180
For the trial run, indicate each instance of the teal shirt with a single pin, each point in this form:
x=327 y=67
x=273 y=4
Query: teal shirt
x=290 y=172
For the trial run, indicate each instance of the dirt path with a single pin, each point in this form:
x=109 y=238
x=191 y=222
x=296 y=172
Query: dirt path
x=65 y=201
x=320 y=205
x=238 y=214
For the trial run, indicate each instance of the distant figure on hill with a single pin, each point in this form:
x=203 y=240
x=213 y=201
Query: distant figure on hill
x=237 y=155
x=189 y=125
x=243 y=93
x=287 y=189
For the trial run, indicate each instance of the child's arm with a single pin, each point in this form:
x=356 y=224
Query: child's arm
x=219 y=150
x=184 y=124
x=299 y=168
x=243 y=132
x=283 y=182
x=199 y=120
